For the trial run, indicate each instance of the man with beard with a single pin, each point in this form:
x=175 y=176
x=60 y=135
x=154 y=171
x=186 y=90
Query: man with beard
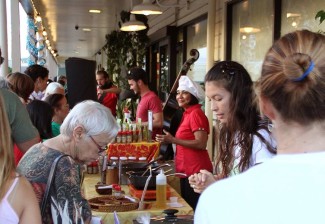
x=138 y=81
x=106 y=91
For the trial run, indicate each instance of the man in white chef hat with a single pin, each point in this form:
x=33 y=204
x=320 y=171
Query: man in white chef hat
x=190 y=138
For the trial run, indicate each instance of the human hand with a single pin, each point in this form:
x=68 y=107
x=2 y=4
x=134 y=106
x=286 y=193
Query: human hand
x=100 y=91
x=200 y=181
x=167 y=138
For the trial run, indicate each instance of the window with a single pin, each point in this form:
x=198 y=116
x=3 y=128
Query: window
x=297 y=15
x=197 y=39
x=253 y=25
x=252 y=33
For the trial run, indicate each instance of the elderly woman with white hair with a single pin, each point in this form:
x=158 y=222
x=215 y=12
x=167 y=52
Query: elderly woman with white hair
x=191 y=137
x=85 y=133
x=53 y=88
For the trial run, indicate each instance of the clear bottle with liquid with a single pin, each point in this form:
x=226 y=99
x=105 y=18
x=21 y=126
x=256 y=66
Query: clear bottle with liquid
x=161 y=188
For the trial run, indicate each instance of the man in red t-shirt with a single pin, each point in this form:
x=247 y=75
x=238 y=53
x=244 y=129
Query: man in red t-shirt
x=138 y=81
x=106 y=91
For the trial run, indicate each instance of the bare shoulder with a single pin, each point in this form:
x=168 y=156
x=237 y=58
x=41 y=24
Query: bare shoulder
x=24 y=183
x=24 y=191
x=27 y=201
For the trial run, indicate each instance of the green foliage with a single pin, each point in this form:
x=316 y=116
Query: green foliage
x=125 y=50
x=321 y=16
x=128 y=103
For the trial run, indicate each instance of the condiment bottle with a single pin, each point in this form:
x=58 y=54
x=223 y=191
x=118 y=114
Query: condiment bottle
x=134 y=134
x=90 y=169
x=121 y=175
x=128 y=136
x=123 y=137
x=140 y=134
x=117 y=190
x=161 y=188
x=95 y=167
x=145 y=133
x=112 y=175
x=119 y=137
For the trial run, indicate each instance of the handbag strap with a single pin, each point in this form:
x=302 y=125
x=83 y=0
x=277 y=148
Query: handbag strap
x=49 y=182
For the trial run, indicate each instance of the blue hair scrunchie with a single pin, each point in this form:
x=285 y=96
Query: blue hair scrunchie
x=306 y=73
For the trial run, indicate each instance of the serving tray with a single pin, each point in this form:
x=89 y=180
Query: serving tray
x=113 y=203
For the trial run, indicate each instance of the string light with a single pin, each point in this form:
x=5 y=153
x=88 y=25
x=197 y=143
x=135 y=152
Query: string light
x=44 y=32
x=38 y=19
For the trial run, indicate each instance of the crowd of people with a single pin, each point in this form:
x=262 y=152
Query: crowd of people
x=270 y=139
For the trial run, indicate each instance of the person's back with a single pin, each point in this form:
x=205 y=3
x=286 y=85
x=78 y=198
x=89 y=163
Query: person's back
x=280 y=190
x=23 y=132
x=290 y=187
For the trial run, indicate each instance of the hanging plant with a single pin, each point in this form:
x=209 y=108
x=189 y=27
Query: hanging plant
x=125 y=50
x=321 y=16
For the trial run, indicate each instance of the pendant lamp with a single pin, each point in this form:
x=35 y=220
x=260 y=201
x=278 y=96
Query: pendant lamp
x=146 y=8
x=133 y=25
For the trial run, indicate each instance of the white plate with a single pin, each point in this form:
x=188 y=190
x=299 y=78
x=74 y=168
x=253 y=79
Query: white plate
x=175 y=205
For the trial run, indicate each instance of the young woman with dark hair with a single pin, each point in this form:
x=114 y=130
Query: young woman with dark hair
x=41 y=114
x=61 y=109
x=290 y=187
x=244 y=139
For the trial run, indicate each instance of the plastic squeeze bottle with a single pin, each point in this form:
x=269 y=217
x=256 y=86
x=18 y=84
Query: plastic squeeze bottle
x=161 y=185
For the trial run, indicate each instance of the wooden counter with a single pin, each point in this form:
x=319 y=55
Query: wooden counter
x=127 y=217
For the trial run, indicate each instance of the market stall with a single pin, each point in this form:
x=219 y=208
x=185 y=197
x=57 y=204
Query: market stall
x=127 y=217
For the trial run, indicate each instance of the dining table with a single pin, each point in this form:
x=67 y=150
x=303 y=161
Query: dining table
x=127 y=217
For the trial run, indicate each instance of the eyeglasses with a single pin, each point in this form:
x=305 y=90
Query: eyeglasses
x=100 y=148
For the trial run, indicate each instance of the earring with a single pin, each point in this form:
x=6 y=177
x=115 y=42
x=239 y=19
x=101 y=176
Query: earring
x=270 y=126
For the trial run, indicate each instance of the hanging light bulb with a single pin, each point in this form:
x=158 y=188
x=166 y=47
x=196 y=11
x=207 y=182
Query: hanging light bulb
x=44 y=32
x=146 y=8
x=133 y=25
x=38 y=18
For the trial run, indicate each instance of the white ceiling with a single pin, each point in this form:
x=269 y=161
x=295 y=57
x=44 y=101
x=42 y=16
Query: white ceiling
x=61 y=16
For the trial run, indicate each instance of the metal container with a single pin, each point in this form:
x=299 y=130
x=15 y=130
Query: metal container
x=132 y=166
x=171 y=218
x=139 y=181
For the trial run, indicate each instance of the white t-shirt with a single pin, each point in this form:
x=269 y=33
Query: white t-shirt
x=288 y=189
x=260 y=153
